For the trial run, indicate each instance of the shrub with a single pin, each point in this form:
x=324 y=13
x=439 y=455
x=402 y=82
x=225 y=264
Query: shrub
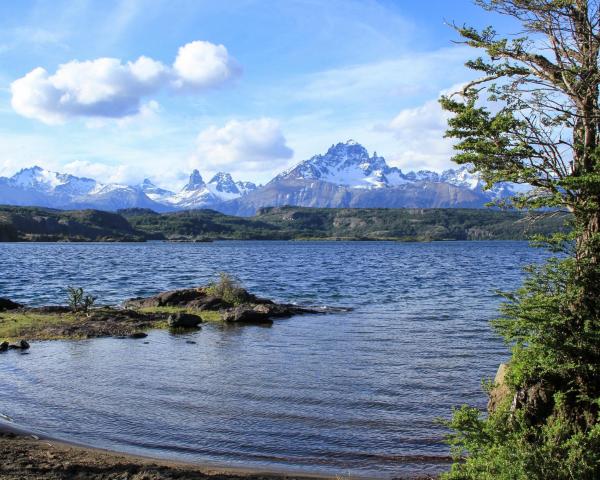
x=228 y=288
x=78 y=300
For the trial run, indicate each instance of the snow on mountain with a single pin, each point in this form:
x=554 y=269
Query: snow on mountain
x=346 y=164
x=346 y=175
x=37 y=178
x=153 y=192
x=349 y=165
x=462 y=177
x=246 y=187
x=199 y=194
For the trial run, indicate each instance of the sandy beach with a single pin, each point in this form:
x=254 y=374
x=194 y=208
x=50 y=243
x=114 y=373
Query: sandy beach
x=26 y=456
x=31 y=457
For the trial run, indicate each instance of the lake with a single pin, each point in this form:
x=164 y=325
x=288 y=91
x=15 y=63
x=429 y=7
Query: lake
x=353 y=393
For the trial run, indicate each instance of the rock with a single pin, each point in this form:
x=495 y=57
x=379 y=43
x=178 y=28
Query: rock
x=500 y=391
x=536 y=400
x=209 y=303
x=184 y=320
x=190 y=342
x=190 y=298
x=22 y=345
x=3 y=346
x=6 y=304
x=247 y=314
x=167 y=299
x=138 y=335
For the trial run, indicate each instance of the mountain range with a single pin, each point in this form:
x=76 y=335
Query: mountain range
x=346 y=176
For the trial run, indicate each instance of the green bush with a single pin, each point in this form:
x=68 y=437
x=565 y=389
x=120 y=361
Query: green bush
x=555 y=348
x=78 y=300
x=228 y=288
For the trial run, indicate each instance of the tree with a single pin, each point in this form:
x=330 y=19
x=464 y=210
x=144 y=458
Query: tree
x=533 y=118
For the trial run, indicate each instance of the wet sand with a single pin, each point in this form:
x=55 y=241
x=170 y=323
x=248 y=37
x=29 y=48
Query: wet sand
x=28 y=457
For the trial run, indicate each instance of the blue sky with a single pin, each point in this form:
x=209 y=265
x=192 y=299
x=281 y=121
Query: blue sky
x=245 y=86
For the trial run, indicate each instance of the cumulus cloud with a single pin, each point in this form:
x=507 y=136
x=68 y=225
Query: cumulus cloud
x=203 y=65
x=123 y=174
x=241 y=146
x=419 y=132
x=109 y=88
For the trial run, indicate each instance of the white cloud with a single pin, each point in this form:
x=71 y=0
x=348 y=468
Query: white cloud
x=109 y=88
x=256 y=145
x=404 y=77
x=123 y=174
x=204 y=65
x=419 y=133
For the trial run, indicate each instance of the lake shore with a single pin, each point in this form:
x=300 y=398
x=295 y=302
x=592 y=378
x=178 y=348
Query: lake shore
x=32 y=457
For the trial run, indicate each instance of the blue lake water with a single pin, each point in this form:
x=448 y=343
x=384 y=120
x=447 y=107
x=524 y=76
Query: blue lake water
x=353 y=393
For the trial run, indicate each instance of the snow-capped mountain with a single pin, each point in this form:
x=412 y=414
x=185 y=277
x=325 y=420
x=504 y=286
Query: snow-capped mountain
x=36 y=178
x=346 y=164
x=198 y=194
x=347 y=176
x=41 y=187
x=344 y=176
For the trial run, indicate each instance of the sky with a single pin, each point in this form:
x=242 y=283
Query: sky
x=121 y=90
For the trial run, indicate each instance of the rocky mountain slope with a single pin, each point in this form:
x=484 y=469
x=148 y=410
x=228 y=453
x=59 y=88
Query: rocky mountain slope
x=345 y=176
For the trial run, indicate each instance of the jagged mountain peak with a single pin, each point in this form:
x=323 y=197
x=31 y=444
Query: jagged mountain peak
x=38 y=178
x=347 y=164
x=223 y=182
x=195 y=182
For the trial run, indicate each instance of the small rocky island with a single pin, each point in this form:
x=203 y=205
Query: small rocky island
x=223 y=301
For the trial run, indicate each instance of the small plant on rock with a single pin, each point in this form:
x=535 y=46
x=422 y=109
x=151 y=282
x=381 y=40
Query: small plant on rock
x=79 y=301
x=228 y=288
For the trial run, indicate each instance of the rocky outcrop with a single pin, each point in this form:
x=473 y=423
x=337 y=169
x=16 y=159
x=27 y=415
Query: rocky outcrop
x=184 y=320
x=22 y=345
x=249 y=308
x=500 y=391
x=6 y=304
x=536 y=401
x=247 y=314
x=195 y=298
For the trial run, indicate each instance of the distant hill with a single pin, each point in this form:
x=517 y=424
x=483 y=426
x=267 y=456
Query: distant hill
x=345 y=176
x=276 y=223
x=48 y=225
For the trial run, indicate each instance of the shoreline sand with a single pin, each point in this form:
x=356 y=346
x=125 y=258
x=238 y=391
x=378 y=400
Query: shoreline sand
x=28 y=456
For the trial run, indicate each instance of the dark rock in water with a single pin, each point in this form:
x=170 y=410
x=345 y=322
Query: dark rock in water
x=167 y=299
x=209 y=303
x=3 y=346
x=22 y=345
x=184 y=320
x=138 y=335
x=6 y=304
x=190 y=342
x=197 y=298
x=247 y=314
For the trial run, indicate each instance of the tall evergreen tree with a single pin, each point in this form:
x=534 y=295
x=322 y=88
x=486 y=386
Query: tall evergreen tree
x=533 y=118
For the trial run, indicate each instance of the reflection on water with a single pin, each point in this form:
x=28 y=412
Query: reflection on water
x=347 y=393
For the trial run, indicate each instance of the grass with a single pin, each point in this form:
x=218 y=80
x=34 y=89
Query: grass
x=16 y=325
x=38 y=326
x=206 y=315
